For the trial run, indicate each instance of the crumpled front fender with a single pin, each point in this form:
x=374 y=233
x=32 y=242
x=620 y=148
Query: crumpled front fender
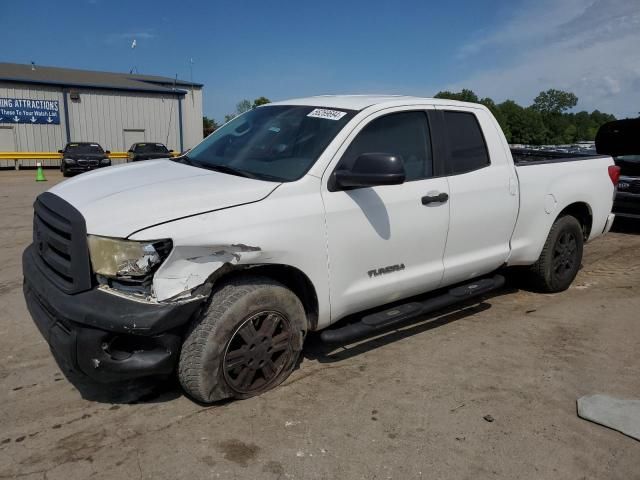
x=188 y=267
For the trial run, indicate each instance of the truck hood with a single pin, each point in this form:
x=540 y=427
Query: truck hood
x=120 y=200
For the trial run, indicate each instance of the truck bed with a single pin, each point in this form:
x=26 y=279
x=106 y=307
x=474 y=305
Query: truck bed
x=549 y=181
x=524 y=156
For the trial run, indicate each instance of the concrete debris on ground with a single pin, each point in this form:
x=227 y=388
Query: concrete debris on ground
x=619 y=414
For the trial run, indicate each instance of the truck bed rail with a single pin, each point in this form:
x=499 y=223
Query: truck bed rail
x=525 y=156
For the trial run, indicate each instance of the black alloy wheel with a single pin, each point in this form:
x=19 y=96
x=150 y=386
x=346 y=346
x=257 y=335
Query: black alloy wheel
x=258 y=351
x=561 y=256
x=565 y=255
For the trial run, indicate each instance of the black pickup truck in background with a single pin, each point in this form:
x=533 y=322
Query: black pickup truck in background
x=621 y=139
x=627 y=202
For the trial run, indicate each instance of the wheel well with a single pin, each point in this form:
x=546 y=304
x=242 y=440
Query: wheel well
x=582 y=212
x=292 y=278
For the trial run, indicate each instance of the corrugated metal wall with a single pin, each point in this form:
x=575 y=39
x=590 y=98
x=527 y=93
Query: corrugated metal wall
x=192 y=117
x=102 y=116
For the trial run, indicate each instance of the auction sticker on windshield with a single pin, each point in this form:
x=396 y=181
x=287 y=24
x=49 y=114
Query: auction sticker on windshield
x=328 y=114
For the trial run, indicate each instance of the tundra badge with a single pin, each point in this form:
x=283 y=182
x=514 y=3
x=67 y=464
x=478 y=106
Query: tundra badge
x=384 y=270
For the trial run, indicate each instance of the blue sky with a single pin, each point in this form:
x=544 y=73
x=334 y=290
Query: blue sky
x=283 y=48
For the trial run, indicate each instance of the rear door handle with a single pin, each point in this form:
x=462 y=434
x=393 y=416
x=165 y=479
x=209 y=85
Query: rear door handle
x=440 y=198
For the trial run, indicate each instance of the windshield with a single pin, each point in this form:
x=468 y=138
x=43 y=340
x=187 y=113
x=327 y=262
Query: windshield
x=83 y=148
x=276 y=143
x=150 y=148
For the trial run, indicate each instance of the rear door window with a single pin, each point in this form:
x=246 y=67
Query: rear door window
x=465 y=142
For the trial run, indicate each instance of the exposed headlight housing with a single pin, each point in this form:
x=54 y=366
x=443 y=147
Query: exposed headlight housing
x=127 y=260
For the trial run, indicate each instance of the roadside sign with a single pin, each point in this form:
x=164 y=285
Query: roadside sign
x=23 y=110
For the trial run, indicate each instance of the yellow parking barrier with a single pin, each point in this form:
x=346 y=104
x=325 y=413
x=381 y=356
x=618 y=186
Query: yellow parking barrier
x=17 y=156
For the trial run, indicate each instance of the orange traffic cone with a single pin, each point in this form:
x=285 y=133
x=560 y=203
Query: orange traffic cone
x=40 y=173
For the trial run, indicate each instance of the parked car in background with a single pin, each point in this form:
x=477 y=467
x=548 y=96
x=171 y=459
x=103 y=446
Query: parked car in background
x=148 y=151
x=81 y=157
x=627 y=202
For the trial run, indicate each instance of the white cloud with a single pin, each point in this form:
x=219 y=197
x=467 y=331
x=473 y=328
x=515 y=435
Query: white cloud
x=591 y=48
x=530 y=23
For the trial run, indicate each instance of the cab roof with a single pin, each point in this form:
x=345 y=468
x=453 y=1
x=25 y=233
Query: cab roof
x=360 y=102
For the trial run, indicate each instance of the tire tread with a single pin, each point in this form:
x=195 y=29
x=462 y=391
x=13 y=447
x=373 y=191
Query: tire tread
x=203 y=330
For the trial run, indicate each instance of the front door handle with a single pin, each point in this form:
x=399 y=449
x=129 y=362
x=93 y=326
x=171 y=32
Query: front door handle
x=439 y=198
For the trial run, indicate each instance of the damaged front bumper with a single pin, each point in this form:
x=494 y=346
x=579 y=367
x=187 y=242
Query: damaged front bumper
x=104 y=336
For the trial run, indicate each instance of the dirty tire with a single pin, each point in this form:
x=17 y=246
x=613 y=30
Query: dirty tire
x=236 y=307
x=561 y=257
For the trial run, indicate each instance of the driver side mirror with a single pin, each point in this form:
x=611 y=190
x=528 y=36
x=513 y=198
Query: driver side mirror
x=371 y=170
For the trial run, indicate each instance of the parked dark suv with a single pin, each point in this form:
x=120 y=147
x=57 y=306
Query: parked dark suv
x=148 y=151
x=627 y=202
x=81 y=157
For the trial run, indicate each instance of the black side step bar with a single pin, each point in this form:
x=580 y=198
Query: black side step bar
x=377 y=322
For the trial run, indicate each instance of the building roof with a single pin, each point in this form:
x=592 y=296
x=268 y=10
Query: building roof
x=360 y=102
x=69 y=77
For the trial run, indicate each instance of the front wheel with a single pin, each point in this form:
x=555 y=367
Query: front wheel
x=246 y=342
x=561 y=256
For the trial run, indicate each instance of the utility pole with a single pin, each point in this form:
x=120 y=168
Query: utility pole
x=134 y=44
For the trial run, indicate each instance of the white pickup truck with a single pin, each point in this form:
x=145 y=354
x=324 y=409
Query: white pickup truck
x=289 y=218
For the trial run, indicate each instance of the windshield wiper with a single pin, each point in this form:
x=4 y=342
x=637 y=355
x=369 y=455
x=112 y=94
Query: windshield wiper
x=184 y=159
x=240 y=173
x=228 y=170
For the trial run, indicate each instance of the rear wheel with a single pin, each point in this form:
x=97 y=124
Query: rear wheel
x=561 y=256
x=247 y=341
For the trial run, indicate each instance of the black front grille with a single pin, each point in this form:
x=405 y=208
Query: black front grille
x=90 y=163
x=60 y=240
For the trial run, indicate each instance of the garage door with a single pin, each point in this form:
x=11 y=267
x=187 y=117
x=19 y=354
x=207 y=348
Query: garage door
x=132 y=136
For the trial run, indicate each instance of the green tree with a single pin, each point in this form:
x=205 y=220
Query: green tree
x=465 y=95
x=493 y=108
x=243 y=106
x=525 y=125
x=584 y=125
x=260 y=101
x=554 y=101
x=546 y=121
x=209 y=125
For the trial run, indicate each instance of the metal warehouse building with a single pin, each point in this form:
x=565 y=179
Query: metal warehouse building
x=43 y=108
